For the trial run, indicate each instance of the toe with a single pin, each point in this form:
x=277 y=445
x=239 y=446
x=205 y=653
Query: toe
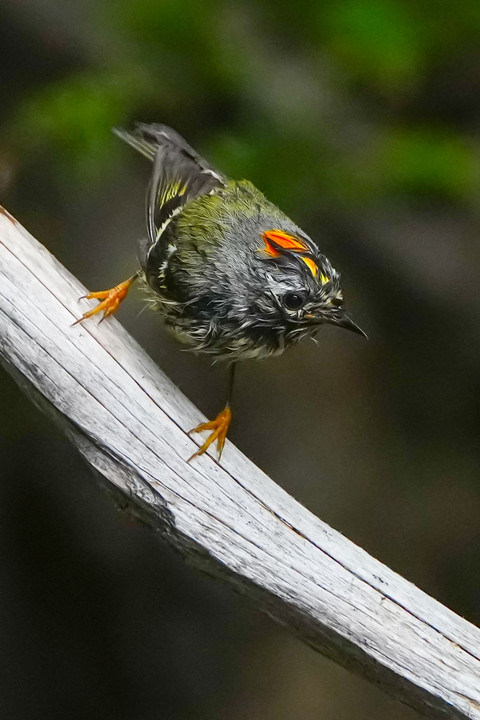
x=219 y=428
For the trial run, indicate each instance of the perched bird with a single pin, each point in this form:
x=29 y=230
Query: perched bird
x=231 y=275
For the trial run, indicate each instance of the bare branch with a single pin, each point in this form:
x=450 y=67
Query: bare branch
x=129 y=422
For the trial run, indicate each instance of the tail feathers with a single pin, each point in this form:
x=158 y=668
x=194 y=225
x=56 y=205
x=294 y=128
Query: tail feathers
x=146 y=148
x=148 y=139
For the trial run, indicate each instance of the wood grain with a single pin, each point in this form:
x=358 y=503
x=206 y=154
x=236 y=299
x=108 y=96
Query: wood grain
x=129 y=421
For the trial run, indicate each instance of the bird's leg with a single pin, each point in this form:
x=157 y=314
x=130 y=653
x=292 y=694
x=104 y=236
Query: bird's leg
x=219 y=426
x=109 y=299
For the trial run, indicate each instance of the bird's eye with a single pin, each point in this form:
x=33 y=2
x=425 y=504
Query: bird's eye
x=294 y=300
x=337 y=301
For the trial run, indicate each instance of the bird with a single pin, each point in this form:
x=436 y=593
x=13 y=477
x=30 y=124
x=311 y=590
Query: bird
x=231 y=275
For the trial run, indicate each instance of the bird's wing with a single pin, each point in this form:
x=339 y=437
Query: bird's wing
x=179 y=173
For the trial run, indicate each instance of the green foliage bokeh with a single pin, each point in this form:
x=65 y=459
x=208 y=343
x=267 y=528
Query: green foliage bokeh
x=325 y=102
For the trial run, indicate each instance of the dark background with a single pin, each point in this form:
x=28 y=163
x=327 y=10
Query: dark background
x=361 y=120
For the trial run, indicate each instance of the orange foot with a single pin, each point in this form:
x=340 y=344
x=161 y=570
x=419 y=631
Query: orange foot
x=111 y=299
x=219 y=426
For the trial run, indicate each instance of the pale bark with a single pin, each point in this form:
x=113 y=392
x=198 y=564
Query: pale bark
x=129 y=421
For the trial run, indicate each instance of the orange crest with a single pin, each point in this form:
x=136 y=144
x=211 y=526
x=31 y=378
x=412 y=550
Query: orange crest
x=284 y=241
x=278 y=240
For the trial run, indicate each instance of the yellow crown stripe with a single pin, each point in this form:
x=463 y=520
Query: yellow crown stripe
x=312 y=266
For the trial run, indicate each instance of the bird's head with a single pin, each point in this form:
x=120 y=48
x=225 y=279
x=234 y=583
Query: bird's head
x=303 y=284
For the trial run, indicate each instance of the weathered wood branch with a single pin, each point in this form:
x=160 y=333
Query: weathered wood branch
x=129 y=422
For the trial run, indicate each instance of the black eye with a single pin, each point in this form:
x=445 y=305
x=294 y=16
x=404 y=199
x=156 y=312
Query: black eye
x=294 y=300
x=338 y=302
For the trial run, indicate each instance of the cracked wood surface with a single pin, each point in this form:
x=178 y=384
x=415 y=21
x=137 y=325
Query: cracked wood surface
x=129 y=421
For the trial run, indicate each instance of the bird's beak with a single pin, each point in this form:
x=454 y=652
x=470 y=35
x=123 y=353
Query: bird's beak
x=348 y=324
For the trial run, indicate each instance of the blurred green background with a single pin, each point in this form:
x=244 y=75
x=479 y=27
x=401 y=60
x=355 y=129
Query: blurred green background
x=361 y=119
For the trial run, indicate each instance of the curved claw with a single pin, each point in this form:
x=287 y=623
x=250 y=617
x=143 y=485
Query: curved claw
x=110 y=300
x=219 y=428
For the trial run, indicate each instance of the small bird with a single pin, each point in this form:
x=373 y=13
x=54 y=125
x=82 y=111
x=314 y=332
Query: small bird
x=231 y=275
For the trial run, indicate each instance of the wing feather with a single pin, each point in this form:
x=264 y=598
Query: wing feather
x=179 y=173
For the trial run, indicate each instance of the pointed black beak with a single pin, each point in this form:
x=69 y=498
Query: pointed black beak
x=348 y=324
